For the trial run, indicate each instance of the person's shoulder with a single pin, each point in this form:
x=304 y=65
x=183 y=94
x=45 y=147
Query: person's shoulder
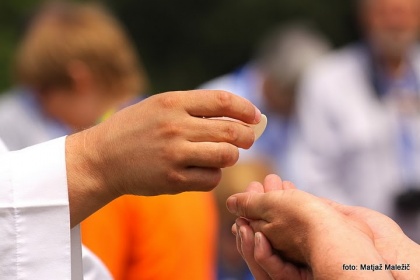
x=11 y=104
x=343 y=66
x=339 y=61
x=9 y=97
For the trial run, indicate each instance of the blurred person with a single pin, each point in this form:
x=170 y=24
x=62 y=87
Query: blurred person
x=73 y=65
x=359 y=117
x=269 y=81
x=285 y=233
x=76 y=66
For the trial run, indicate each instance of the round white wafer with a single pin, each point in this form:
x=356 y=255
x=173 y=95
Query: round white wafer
x=260 y=127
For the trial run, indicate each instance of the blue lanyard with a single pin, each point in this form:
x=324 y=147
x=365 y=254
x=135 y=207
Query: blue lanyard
x=409 y=85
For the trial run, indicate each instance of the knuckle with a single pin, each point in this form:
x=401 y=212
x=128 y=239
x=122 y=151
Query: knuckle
x=171 y=129
x=175 y=178
x=250 y=139
x=170 y=155
x=228 y=155
x=231 y=134
x=224 y=99
x=167 y=101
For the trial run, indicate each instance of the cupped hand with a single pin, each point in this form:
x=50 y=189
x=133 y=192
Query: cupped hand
x=306 y=230
x=263 y=261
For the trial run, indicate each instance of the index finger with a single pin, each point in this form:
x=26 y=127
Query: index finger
x=218 y=103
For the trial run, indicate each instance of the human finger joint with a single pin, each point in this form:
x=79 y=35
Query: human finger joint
x=228 y=155
x=231 y=133
x=176 y=178
x=224 y=100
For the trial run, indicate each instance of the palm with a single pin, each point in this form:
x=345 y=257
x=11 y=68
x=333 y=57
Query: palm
x=385 y=238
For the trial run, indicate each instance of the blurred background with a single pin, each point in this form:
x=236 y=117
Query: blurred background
x=184 y=43
x=338 y=80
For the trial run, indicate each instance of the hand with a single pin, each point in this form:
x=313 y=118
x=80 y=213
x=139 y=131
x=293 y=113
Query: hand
x=256 y=250
x=390 y=241
x=164 y=145
x=317 y=233
x=260 y=257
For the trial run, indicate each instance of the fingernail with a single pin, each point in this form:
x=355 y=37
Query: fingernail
x=231 y=204
x=257 y=238
x=241 y=232
x=257 y=118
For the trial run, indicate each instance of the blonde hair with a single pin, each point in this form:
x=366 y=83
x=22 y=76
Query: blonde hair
x=63 y=32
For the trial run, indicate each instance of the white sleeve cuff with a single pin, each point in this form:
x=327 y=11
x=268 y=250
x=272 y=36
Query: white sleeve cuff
x=34 y=214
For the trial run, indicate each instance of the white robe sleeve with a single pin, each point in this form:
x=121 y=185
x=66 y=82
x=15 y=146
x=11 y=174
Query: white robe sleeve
x=34 y=215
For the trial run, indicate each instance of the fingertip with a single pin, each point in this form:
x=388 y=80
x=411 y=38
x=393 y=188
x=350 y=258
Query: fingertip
x=273 y=183
x=241 y=222
x=263 y=248
x=288 y=185
x=234 y=229
x=255 y=187
x=232 y=204
x=259 y=252
x=257 y=117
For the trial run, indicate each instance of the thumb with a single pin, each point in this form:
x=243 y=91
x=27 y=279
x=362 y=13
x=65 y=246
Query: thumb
x=249 y=205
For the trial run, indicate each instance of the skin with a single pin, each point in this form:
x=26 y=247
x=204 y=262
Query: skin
x=391 y=27
x=289 y=234
x=80 y=105
x=162 y=145
x=278 y=99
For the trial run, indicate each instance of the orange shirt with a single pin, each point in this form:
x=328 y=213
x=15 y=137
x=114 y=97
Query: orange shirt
x=164 y=237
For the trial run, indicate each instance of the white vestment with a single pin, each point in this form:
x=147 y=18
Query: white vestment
x=36 y=240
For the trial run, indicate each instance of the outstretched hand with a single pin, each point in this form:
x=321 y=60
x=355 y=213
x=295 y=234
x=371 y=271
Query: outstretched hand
x=264 y=262
x=166 y=144
x=313 y=237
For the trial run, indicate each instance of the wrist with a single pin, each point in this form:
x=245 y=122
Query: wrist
x=335 y=244
x=88 y=191
x=406 y=254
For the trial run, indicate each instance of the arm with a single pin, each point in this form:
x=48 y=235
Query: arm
x=161 y=145
x=319 y=234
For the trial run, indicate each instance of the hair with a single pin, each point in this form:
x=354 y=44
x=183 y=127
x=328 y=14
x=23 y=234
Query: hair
x=63 y=32
x=289 y=50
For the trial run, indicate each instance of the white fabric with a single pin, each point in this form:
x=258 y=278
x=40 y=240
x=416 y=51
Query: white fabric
x=34 y=216
x=347 y=149
x=93 y=267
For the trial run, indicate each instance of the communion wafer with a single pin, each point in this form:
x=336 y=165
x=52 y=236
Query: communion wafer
x=260 y=127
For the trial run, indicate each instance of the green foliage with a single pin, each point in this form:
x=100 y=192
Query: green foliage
x=186 y=42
